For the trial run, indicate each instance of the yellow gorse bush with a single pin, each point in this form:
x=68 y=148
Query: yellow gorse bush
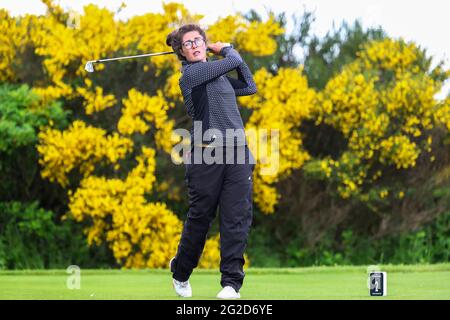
x=441 y=114
x=140 y=109
x=95 y=101
x=255 y=38
x=281 y=103
x=114 y=206
x=12 y=38
x=79 y=147
x=383 y=103
x=141 y=234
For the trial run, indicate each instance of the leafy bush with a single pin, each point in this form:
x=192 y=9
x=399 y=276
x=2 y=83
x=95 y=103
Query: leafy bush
x=429 y=244
x=31 y=239
x=21 y=116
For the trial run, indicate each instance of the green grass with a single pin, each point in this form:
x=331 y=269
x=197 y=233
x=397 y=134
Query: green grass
x=404 y=282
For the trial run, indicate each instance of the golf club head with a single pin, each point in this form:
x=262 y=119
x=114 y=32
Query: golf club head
x=89 y=67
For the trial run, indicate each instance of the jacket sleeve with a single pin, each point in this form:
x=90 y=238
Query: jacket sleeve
x=199 y=73
x=244 y=85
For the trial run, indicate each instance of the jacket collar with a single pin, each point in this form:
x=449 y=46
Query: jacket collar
x=185 y=63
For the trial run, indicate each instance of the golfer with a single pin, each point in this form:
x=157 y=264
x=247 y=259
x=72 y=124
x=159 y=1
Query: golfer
x=210 y=98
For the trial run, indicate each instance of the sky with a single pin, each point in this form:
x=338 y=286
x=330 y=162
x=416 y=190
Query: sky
x=424 y=22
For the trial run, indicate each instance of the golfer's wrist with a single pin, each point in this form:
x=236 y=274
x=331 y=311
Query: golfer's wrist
x=225 y=49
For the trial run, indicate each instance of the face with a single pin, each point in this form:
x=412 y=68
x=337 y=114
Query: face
x=194 y=53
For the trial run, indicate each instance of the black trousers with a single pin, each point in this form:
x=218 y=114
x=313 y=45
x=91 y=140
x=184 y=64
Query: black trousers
x=228 y=186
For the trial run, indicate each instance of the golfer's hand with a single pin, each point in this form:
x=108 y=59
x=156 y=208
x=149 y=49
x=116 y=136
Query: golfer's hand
x=216 y=47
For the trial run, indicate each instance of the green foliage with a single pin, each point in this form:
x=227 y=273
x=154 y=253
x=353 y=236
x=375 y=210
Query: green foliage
x=429 y=244
x=326 y=56
x=262 y=250
x=21 y=116
x=322 y=57
x=31 y=239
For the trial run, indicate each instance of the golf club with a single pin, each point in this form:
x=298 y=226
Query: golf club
x=90 y=64
x=89 y=67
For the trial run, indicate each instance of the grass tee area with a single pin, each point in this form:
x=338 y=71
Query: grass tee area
x=404 y=282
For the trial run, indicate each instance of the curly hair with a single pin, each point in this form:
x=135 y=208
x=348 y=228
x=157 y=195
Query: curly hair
x=175 y=38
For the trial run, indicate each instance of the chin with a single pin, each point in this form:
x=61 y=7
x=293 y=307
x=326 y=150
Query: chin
x=198 y=58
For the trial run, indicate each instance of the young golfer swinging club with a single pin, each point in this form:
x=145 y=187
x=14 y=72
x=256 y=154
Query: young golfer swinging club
x=210 y=98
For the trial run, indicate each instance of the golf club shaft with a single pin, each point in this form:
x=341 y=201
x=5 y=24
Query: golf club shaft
x=89 y=67
x=136 y=56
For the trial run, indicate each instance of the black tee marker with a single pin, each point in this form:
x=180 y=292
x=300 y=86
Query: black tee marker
x=378 y=284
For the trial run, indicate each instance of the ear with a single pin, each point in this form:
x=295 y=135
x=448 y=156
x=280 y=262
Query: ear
x=181 y=52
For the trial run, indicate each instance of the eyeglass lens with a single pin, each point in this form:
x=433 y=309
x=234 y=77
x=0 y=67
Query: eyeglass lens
x=198 y=42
